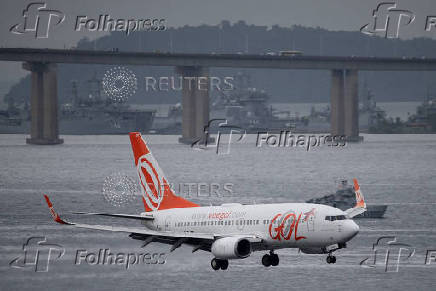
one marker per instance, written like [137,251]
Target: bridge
[195,103]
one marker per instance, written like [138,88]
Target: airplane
[232,230]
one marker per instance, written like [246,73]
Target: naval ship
[345,198]
[248,107]
[91,113]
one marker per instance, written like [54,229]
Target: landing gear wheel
[331,259]
[274,260]
[215,264]
[219,264]
[224,264]
[266,260]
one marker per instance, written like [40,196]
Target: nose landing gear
[270,259]
[217,264]
[331,259]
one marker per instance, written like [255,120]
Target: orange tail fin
[360,201]
[156,192]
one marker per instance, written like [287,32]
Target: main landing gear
[219,264]
[270,259]
[331,259]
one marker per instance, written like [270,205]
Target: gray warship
[89,113]
[248,107]
[345,198]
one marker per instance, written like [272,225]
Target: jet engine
[231,248]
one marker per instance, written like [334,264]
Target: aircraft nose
[353,229]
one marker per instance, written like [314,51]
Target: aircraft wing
[130,216]
[201,241]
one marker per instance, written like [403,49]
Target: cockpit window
[335,217]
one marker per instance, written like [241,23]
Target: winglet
[360,206]
[360,201]
[53,213]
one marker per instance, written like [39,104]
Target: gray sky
[330,14]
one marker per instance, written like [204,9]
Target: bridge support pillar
[337,103]
[195,103]
[351,105]
[344,112]
[43,104]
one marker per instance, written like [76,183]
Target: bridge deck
[216,60]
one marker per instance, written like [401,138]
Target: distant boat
[344,198]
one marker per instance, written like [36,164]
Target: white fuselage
[282,225]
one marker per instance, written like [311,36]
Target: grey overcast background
[347,15]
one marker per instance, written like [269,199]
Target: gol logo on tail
[151,183]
